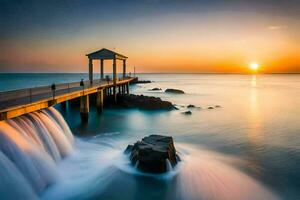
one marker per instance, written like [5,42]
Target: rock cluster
[153,153]
[142,102]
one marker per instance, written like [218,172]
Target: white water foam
[30,148]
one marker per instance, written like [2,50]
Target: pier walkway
[18,102]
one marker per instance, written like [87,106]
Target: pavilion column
[124,68]
[101,69]
[115,78]
[91,70]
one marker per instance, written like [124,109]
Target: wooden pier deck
[19,102]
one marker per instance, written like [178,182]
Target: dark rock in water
[174,91]
[141,102]
[210,107]
[187,112]
[155,89]
[128,149]
[191,106]
[217,106]
[152,152]
[141,82]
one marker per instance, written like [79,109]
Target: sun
[254,66]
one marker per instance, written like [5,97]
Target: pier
[18,102]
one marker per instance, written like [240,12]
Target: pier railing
[29,95]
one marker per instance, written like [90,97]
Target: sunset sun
[254,66]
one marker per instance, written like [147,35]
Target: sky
[158,36]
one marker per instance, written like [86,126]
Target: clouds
[276,27]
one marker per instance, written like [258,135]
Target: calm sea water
[249,148]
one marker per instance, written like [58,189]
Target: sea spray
[99,169]
[30,147]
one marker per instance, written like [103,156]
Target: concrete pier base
[122,89]
[114,94]
[84,108]
[99,101]
[127,88]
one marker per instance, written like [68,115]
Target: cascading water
[30,147]
[31,167]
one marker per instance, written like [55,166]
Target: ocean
[247,147]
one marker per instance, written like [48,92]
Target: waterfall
[30,148]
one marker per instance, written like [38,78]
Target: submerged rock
[141,102]
[155,89]
[187,112]
[217,106]
[153,153]
[174,91]
[210,107]
[191,106]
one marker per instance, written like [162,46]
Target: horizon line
[241,73]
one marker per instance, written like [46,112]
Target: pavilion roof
[106,54]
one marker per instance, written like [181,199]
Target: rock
[128,149]
[152,152]
[187,112]
[217,106]
[141,82]
[210,107]
[155,89]
[141,102]
[174,91]
[191,106]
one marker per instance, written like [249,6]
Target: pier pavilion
[102,55]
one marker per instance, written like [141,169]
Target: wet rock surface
[174,91]
[155,89]
[187,112]
[153,154]
[141,102]
[191,106]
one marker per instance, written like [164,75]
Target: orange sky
[209,42]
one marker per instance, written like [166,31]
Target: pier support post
[84,108]
[115,94]
[114,79]
[91,70]
[127,88]
[99,101]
